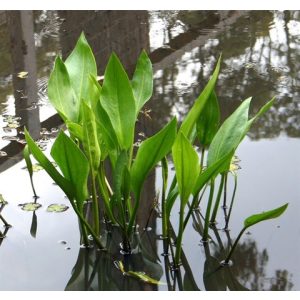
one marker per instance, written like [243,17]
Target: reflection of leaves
[189,285]
[33,227]
[31,206]
[213,276]
[139,275]
[57,208]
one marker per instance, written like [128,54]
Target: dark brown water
[261,54]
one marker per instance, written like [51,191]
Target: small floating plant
[100,122]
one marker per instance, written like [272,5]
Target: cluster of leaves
[101,124]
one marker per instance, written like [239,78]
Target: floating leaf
[57,208]
[30,206]
[22,74]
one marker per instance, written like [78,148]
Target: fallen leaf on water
[22,74]
[57,208]
[31,206]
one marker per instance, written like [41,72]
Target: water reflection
[260,58]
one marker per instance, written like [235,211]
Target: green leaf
[186,162]
[263,110]
[194,113]
[75,130]
[142,81]
[63,183]
[106,134]
[61,94]
[73,164]
[94,89]
[150,152]
[230,134]
[271,214]
[118,101]
[211,171]
[208,122]
[80,64]
[90,140]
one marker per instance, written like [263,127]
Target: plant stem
[95,205]
[207,214]
[202,158]
[180,234]
[215,211]
[33,189]
[163,197]
[194,201]
[225,191]
[231,203]
[234,245]
[105,196]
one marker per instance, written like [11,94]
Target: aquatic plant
[100,122]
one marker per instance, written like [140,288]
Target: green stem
[95,205]
[133,215]
[179,237]
[163,197]
[202,158]
[208,209]
[33,189]
[105,196]
[192,206]
[216,207]
[225,190]
[201,196]
[234,245]
[231,203]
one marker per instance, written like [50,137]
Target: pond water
[261,55]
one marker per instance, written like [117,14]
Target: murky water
[261,54]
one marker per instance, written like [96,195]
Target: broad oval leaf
[142,81]
[208,122]
[118,101]
[271,214]
[194,113]
[230,134]
[73,164]
[150,152]
[61,93]
[80,64]
[186,162]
